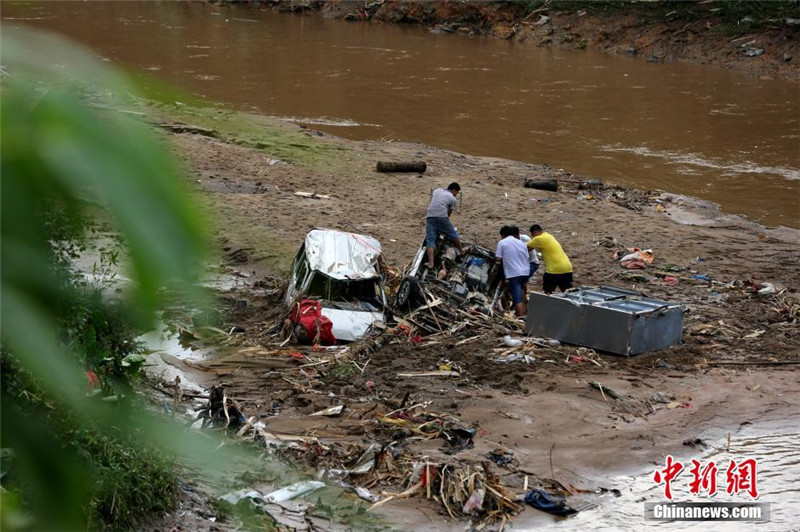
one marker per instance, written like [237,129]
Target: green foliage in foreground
[115,477]
[132,479]
[73,459]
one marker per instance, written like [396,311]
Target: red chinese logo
[667,475]
[741,477]
[703,478]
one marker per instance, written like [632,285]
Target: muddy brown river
[683,128]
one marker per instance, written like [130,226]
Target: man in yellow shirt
[558,268]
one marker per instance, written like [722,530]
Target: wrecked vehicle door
[342,271]
[470,279]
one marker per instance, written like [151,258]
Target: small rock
[662,397]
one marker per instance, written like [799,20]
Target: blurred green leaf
[61,160]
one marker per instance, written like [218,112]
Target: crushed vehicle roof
[341,255]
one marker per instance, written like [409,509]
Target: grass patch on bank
[280,140]
[161,102]
[152,88]
[132,481]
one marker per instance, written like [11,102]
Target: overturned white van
[342,271]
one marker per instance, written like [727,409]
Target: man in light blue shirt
[438,219]
[513,253]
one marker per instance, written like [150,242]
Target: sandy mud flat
[736,366]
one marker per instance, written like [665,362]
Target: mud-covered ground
[759,40]
[730,370]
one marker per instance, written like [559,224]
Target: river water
[775,450]
[683,128]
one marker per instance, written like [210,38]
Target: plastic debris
[364,464]
[695,442]
[552,504]
[458,439]
[502,457]
[768,288]
[515,357]
[293,490]
[670,281]
[475,501]
[235,496]
[330,412]
[512,342]
[367,495]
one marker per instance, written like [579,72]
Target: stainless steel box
[609,319]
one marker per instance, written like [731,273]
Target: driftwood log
[542,184]
[408,166]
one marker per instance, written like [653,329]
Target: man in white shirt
[438,219]
[513,254]
[534,255]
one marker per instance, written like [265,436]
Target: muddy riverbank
[730,371]
[758,42]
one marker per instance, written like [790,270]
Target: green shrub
[132,480]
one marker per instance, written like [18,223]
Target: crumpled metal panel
[608,319]
[350,325]
[342,255]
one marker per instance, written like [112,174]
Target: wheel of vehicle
[408,294]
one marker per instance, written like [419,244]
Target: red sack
[318,329]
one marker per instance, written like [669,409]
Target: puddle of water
[162,340]
[165,346]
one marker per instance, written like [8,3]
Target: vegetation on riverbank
[78,452]
[736,16]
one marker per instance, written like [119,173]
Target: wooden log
[604,389]
[542,184]
[195,130]
[406,166]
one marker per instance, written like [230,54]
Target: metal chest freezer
[609,319]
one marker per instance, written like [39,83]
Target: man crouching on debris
[513,253]
[557,267]
[438,219]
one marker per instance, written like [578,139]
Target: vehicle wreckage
[336,290]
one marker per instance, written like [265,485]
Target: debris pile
[221,411]
[445,312]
